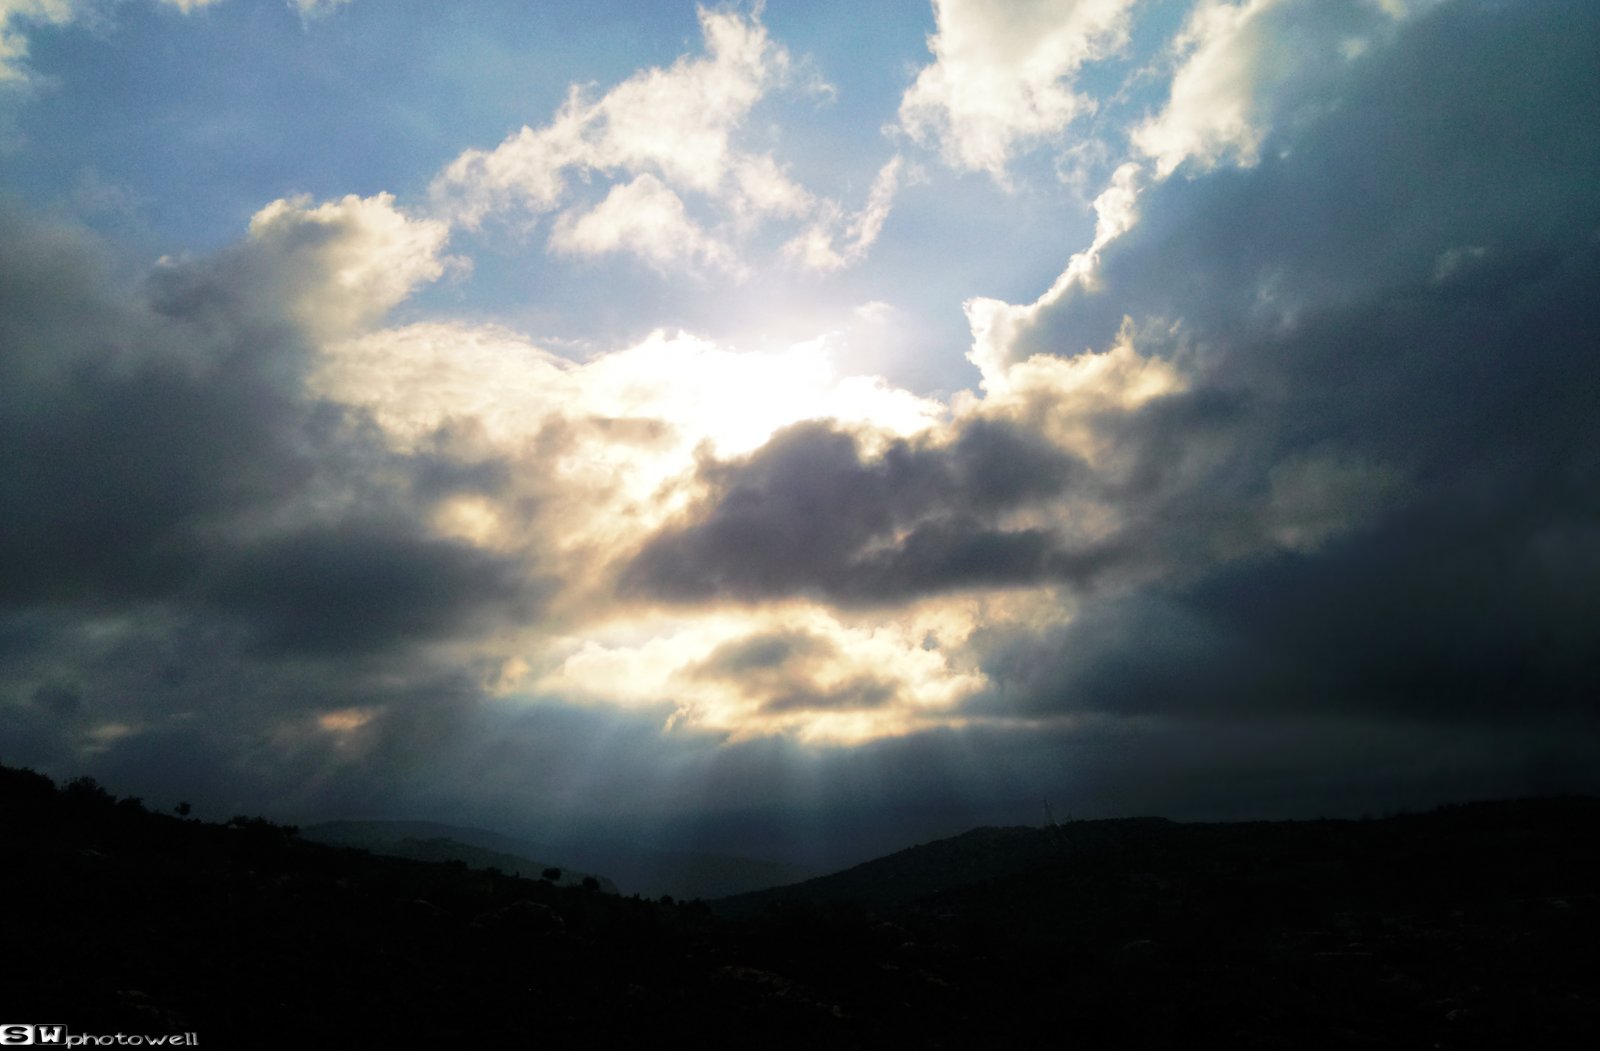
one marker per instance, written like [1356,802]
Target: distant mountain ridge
[1468,927]
[1032,870]
[627,869]
[973,857]
[430,841]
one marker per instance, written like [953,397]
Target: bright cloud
[307,8]
[1212,112]
[606,449]
[799,669]
[666,132]
[1243,65]
[647,219]
[835,241]
[350,260]
[777,439]
[15,16]
[675,123]
[1001,76]
[999,328]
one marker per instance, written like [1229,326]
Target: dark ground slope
[1471,927]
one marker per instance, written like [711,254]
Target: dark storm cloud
[196,556]
[756,654]
[120,431]
[860,692]
[809,514]
[1437,614]
[359,584]
[167,453]
[1407,283]
[1355,565]
[1378,494]
[783,671]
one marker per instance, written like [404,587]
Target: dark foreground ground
[1468,927]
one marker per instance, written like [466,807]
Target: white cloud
[1213,109]
[1068,399]
[765,189]
[526,171]
[13,38]
[802,669]
[307,8]
[646,219]
[609,447]
[15,15]
[665,139]
[1242,62]
[834,241]
[997,326]
[675,123]
[1001,75]
[349,261]
[678,121]
[421,377]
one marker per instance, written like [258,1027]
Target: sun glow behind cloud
[797,667]
[607,452]
[751,393]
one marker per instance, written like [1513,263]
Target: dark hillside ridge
[631,869]
[972,857]
[1468,927]
[428,841]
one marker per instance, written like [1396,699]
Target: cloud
[348,261]
[1243,67]
[996,325]
[1214,91]
[1252,438]
[607,446]
[198,552]
[647,219]
[918,518]
[1001,76]
[834,242]
[15,17]
[308,8]
[1288,474]
[764,189]
[667,142]
[1370,487]
[675,124]
[798,669]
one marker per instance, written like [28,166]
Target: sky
[800,429]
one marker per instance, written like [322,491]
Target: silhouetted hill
[683,874]
[429,841]
[628,869]
[970,858]
[1469,927]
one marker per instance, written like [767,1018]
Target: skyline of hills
[1461,928]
